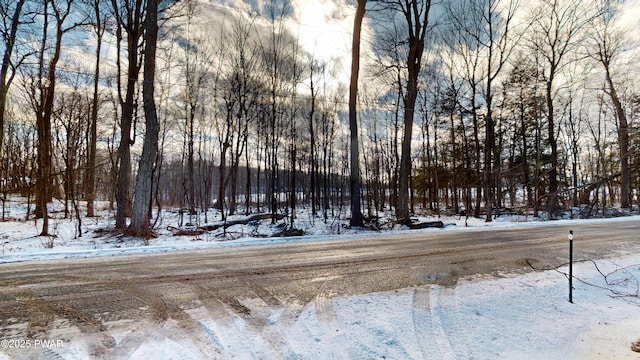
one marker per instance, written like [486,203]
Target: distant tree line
[464,106]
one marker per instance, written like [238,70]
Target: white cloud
[324,28]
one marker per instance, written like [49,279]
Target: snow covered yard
[517,316]
[512,316]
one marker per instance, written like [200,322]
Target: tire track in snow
[219,325]
[271,320]
[172,323]
[159,310]
[329,324]
[423,324]
[43,312]
[126,346]
[39,353]
[233,327]
[48,354]
[441,339]
[264,294]
[277,326]
[452,336]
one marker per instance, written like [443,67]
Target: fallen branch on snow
[223,224]
[426,225]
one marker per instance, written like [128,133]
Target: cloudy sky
[323,27]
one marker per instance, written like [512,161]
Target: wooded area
[464,107]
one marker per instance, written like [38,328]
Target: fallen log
[243,221]
[426,225]
[185,232]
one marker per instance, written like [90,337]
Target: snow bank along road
[97,297]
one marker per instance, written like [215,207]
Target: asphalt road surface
[38,298]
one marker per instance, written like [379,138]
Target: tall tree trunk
[476,143]
[44,128]
[273,180]
[525,153]
[93,133]
[413,61]
[239,148]
[292,181]
[552,197]
[190,176]
[489,146]
[416,14]
[140,219]
[247,208]
[133,28]
[312,146]
[436,179]
[354,179]
[222,176]
[4,67]
[623,142]
[43,118]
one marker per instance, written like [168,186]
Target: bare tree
[227,130]
[327,139]
[59,12]
[486,27]
[129,14]
[599,158]
[465,47]
[69,150]
[277,55]
[522,103]
[196,68]
[574,127]
[607,46]
[7,68]
[390,71]
[354,179]
[140,219]
[245,87]
[556,30]
[98,25]
[18,159]
[416,15]
[451,107]
[314,67]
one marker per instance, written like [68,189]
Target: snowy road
[97,298]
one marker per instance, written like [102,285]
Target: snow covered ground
[514,316]
[19,240]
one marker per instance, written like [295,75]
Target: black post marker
[571,266]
